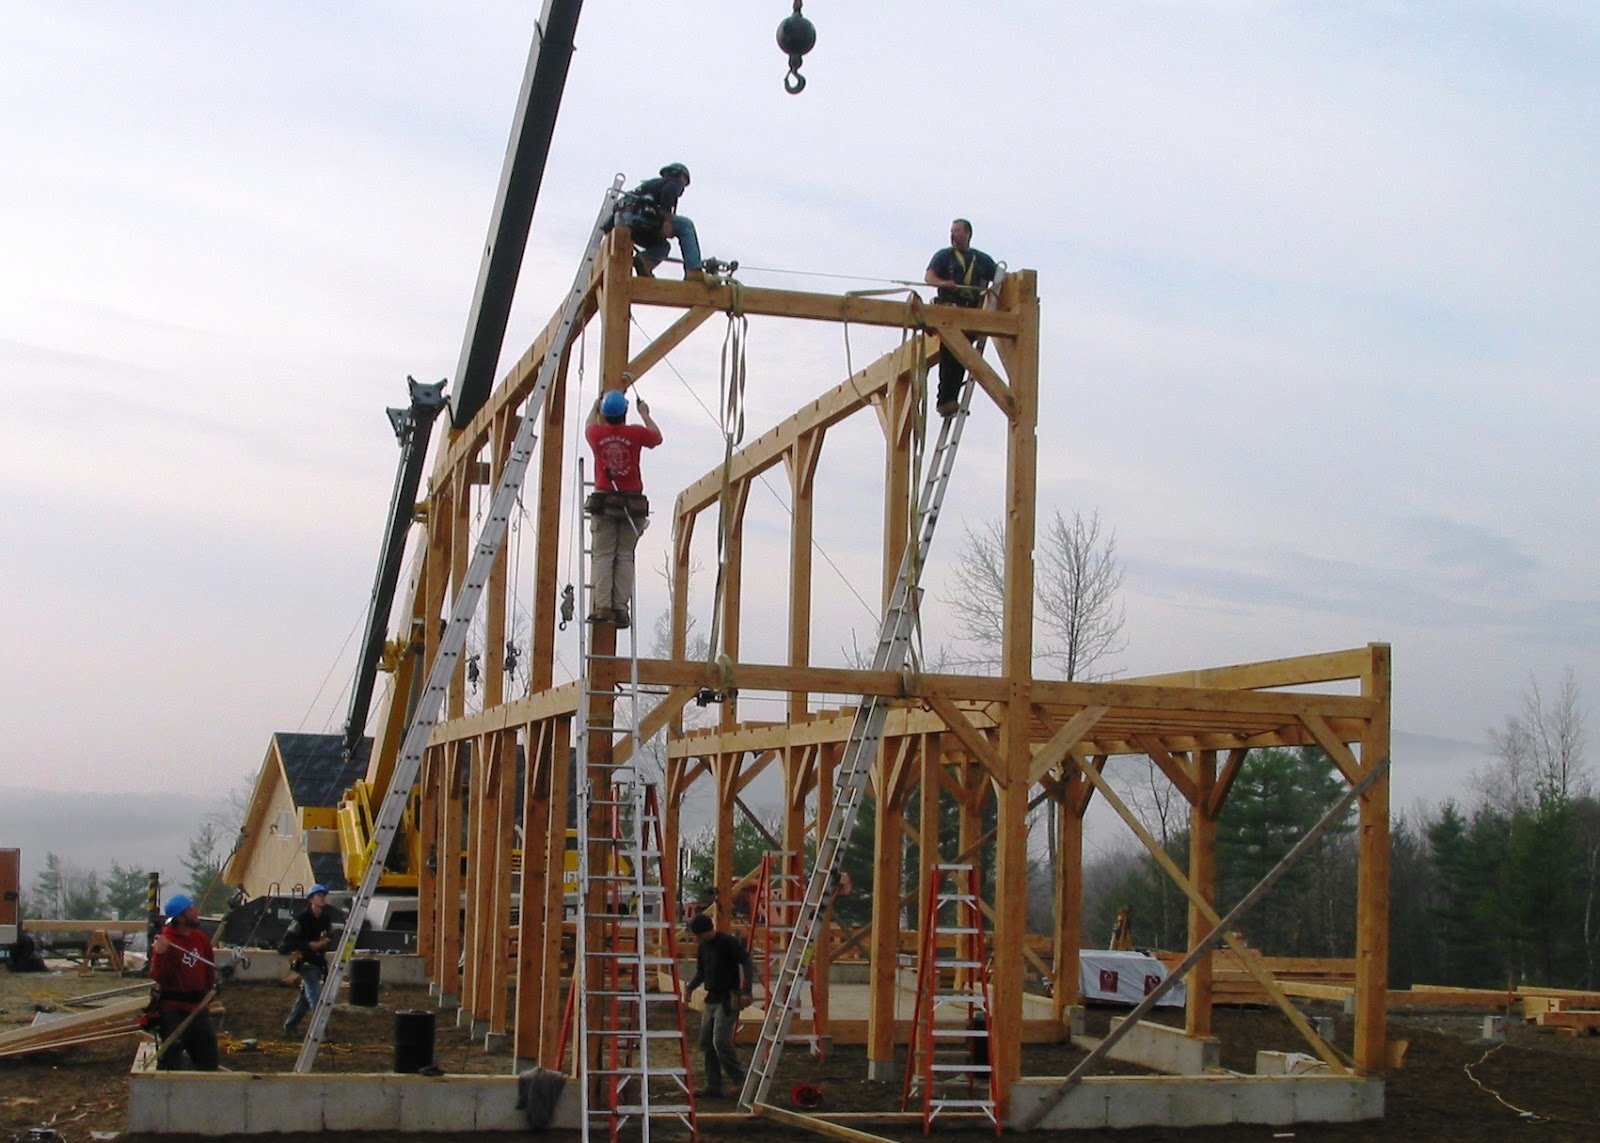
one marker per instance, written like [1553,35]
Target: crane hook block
[796,36]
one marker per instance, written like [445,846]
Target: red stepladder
[948,1067]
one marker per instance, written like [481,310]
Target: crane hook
[796,36]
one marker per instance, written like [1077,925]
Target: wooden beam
[853,308]
[1055,751]
[988,380]
[832,407]
[969,736]
[669,340]
[1170,766]
[1338,753]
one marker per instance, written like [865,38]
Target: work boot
[708,1093]
[694,275]
[642,268]
[620,617]
[599,615]
[949,408]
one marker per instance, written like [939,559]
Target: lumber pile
[119,1017]
[1313,978]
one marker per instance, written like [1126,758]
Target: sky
[1318,289]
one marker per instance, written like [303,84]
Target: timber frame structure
[1015,740]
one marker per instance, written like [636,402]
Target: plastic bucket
[413,1040]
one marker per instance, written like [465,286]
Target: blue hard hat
[614,404]
[178,904]
[314,890]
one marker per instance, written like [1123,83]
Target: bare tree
[1077,594]
[1077,608]
[1539,753]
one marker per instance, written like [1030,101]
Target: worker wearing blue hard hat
[618,508]
[306,945]
[183,967]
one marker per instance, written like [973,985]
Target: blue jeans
[311,977]
[688,245]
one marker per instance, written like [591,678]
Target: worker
[306,944]
[183,968]
[963,275]
[618,509]
[723,965]
[650,212]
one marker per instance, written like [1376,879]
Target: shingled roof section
[316,775]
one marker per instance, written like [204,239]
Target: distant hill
[89,831]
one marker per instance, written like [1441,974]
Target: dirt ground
[1451,1087]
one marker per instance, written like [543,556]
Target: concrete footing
[1164,1049]
[1196,1101]
[241,1103]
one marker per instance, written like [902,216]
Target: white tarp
[1121,977]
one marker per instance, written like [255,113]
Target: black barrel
[413,1040]
[364,981]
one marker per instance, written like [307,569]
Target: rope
[731,383]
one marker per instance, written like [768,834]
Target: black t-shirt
[723,965]
[308,927]
[974,268]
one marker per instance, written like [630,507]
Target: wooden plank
[72,926]
[815,1123]
[1298,670]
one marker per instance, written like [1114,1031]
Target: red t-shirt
[185,969]
[616,455]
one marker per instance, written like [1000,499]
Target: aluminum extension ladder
[631,1051]
[948,1066]
[866,733]
[408,765]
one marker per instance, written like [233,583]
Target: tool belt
[618,505]
[642,215]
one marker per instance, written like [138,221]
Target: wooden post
[1019,293]
[450,876]
[1203,873]
[1372,877]
[1069,906]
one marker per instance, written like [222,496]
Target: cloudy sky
[1319,288]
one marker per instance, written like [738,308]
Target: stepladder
[774,906]
[948,1069]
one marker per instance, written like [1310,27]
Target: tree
[1279,795]
[125,892]
[202,864]
[1077,588]
[49,887]
[1078,609]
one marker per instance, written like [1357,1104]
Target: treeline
[63,891]
[1503,888]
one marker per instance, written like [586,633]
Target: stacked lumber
[116,1018]
[1316,978]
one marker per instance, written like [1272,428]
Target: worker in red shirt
[183,967]
[618,509]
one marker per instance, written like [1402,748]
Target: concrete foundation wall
[266,964]
[1197,1101]
[239,1103]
